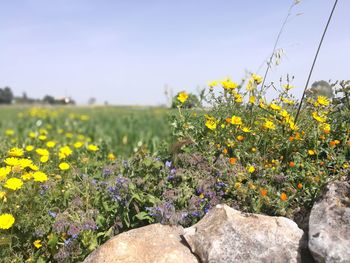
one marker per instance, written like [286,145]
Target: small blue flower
[168,164]
[52,214]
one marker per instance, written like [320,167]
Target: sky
[127,52]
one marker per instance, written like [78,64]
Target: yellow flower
[43,131]
[27,176]
[64,166]
[285,100]
[39,177]
[236,120]
[227,84]
[284,114]
[319,117]
[42,152]
[212,84]
[275,107]
[262,104]
[13,183]
[92,147]
[15,152]
[111,157]
[78,145]
[311,152]
[6,221]
[42,137]
[252,99]
[9,132]
[238,98]
[64,152]
[211,123]
[33,167]
[24,163]
[29,148]
[258,79]
[322,100]
[287,87]
[269,125]
[12,161]
[2,195]
[84,117]
[238,185]
[251,186]
[32,135]
[50,144]
[37,243]
[246,129]
[182,97]
[16,169]
[4,171]
[292,125]
[44,159]
[251,169]
[69,135]
[251,85]
[326,128]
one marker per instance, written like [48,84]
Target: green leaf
[100,220]
[53,240]
[144,216]
[5,240]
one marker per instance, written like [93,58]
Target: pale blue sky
[126,51]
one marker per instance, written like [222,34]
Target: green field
[122,128]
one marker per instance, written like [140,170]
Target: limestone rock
[329,224]
[150,244]
[226,235]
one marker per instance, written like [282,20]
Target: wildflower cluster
[274,165]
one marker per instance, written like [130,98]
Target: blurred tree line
[7,97]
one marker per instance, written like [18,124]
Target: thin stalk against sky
[315,58]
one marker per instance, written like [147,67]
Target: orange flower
[228,120]
[233,160]
[224,151]
[263,192]
[348,143]
[300,186]
[284,197]
[240,138]
[321,163]
[291,138]
[332,144]
[291,164]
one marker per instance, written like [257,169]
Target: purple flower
[106,172]
[168,164]
[89,224]
[74,231]
[52,214]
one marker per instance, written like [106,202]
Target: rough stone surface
[226,235]
[329,224]
[150,244]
